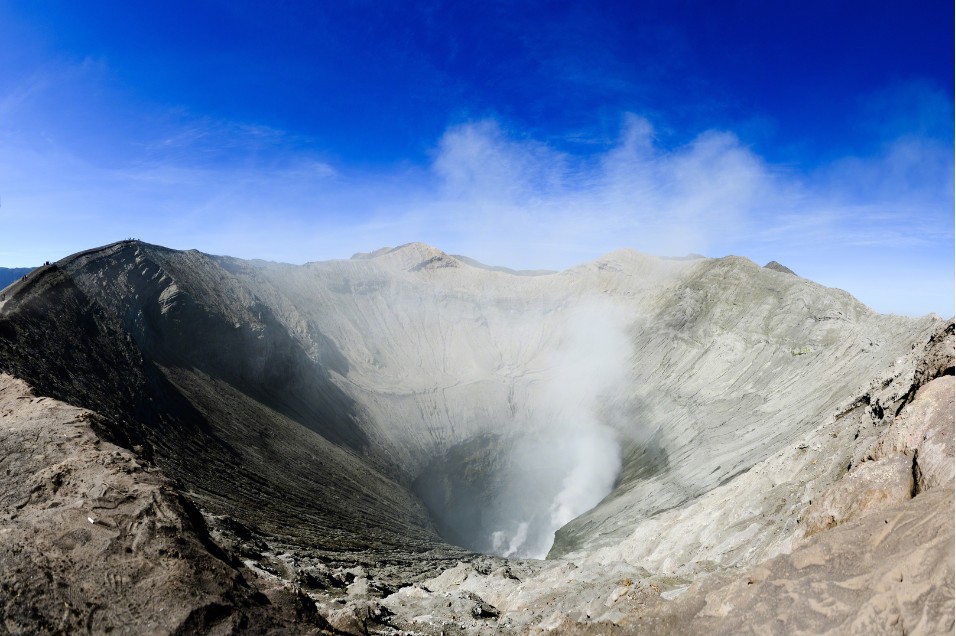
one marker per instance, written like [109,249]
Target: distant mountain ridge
[10,274]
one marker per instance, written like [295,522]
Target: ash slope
[729,362]
[302,403]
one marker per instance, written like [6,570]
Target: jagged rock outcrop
[777,267]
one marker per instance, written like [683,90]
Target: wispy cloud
[489,191]
[711,195]
[560,209]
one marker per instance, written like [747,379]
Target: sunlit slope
[724,361]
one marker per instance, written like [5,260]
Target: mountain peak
[777,267]
[413,256]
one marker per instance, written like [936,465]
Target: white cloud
[488,192]
[519,200]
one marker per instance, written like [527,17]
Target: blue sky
[532,134]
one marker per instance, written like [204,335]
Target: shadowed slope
[199,375]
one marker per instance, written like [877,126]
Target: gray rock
[777,267]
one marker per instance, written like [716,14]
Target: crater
[507,495]
[374,420]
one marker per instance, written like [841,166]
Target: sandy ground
[92,540]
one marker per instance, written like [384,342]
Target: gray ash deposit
[359,445]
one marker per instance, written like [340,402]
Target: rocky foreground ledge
[94,540]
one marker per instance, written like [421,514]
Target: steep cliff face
[647,417]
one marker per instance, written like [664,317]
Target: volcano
[410,441]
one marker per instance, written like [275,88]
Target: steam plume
[575,461]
